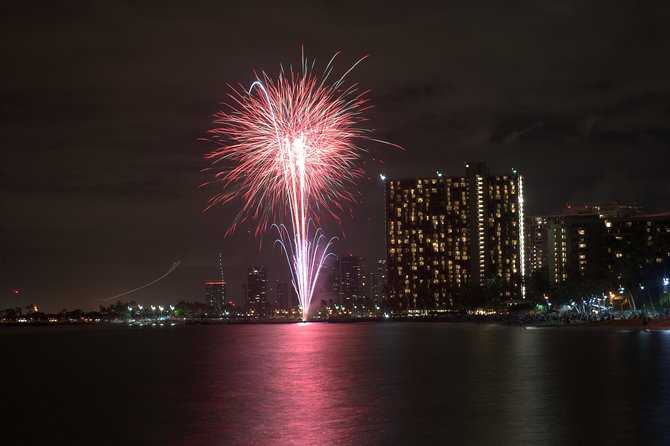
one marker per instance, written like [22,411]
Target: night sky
[103,105]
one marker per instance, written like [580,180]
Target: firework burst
[287,148]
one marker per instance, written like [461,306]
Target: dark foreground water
[350,384]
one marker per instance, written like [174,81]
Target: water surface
[335,384]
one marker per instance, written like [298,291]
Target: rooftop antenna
[221,265]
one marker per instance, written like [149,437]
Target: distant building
[376,283]
[614,209]
[352,284]
[537,244]
[445,233]
[556,249]
[255,290]
[215,295]
[583,236]
[593,240]
[284,296]
[565,246]
[332,279]
[638,240]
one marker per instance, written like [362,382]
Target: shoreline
[660,324]
[628,324]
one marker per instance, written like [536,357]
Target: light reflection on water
[397,383]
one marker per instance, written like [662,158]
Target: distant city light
[382,177]
[439,174]
[666,281]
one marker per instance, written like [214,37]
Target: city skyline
[104,109]
[598,217]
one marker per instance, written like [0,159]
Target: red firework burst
[279,127]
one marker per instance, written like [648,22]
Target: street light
[665,281]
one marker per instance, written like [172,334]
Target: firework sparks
[291,144]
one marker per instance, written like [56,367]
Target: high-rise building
[332,279]
[557,247]
[215,295]
[284,296]
[376,283]
[566,246]
[585,240]
[537,245]
[444,233]
[638,241]
[256,289]
[583,236]
[352,285]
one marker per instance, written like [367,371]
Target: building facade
[352,286]
[284,296]
[376,283]
[215,295]
[446,233]
[256,289]
[597,241]
[565,246]
[637,243]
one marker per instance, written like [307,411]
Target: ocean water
[334,384]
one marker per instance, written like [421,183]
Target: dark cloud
[104,102]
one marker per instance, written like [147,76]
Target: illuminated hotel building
[642,239]
[537,250]
[566,246]
[588,240]
[444,233]
[557,247]
[583,237]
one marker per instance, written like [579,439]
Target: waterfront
[365,383]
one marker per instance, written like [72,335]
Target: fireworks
[288,150]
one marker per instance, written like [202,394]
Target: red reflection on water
[283,384]
[309,390]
